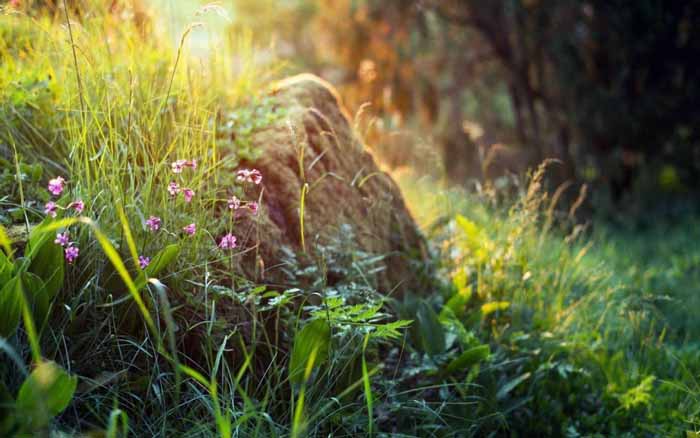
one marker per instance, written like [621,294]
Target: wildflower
[173,188]
[228,241]
[178,165]
[56,185]
[190,229]
[255,176]
[234,203]
[242,174]
[144,261]
[77,205]
[250,175]
[71,253]
[153,223]
[50,208]
[188,193]
[253,206]
[62,239]
[192,164]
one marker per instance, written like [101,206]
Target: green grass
[609,312]
[536,325]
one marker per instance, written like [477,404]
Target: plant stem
[75,61]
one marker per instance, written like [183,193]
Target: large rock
[348,195]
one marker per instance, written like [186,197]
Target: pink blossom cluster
[154,223]
[56,186]
[249,175]
[70,250]
[246,175]
[178,165]
[174,189]
[228,241]
[190,229]
[234,204]
[144,262]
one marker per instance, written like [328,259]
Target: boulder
[315,150]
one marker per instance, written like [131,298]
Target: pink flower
[192,164]
[178,165]
[56,185]
[50,208]
[144,261]
[228,241]
[71,253]
[173,188]
[242,174]
[253,206]
[188,194]
[62,239]
[78,206]
[190,229]
[256,176]
[153,223]
[250,175]
[234,203]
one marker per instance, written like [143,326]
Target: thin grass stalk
[75,61]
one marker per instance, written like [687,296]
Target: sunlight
[361,218]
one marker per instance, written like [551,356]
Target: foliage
[32,280]
[606,88]
[536,326]
[579,333]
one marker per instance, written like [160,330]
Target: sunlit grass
[613,298]
[529,314]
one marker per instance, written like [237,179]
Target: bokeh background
[476,90]
[559,303]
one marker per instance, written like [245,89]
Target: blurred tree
[606,82]
[607,87]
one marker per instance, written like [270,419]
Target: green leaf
[458,302]
[455,330]
[639,395]
[37,295]
[472,230]
[495,306]
[45,393]
[510,385]
[118,424]
[10,307]
[315,335]
[430,330]
[6,268]
[6,399]
[367,387]
[47,262]
[468,359]
[38,236]
[390,330]
[131,244]
[162,260]
[5,242]
[37,171]
[7,404]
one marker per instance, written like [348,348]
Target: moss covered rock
[314,154]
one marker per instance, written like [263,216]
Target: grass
[536,325]
[607,305]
